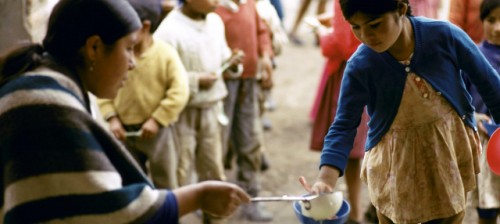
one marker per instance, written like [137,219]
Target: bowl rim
[298,211]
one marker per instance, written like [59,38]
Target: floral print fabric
[425,164]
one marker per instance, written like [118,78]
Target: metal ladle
[305,199]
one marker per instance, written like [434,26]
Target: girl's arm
[480,72]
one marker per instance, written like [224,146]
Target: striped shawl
[58,165]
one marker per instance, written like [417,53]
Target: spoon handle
[281,198]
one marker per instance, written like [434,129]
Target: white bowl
[323,206]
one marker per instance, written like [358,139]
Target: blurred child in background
[486,197]
[465,14]
[198,36]
[245,31]
[150,101]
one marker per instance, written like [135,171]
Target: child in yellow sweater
[150,101]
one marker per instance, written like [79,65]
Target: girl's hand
[317,188]
[326,181]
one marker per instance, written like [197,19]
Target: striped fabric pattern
[58,165]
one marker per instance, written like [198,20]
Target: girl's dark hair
[486,7]
[71,23]
[371,7]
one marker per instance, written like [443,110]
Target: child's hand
[206,81]
[237,57]
[267,73]
[116,127]
[150,128]
[325,19]
[480,118]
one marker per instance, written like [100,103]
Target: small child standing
[150,101]
[198,36]
[247,32]
[422,148]
[486,197]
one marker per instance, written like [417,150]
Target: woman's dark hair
[486,7]
[371,7]
[71,23]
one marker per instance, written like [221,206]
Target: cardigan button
[463,117]
[438,93]
[426,95]
[407,69]
[417,79]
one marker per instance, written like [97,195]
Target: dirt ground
[287,143]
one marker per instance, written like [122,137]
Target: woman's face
[378,33]
[491,25]
[111,66]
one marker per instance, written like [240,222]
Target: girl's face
[491,25]
[111,66]
[378,33]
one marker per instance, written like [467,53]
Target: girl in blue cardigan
[422,147]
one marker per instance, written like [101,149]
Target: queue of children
[193,93]
[198,36]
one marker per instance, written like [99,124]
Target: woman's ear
[92,45]
[402,8]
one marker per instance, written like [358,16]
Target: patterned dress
[425,164]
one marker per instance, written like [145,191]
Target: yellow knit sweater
[157,88]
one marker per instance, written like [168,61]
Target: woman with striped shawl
[57,164]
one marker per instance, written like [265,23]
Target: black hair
[71,23]
[371,7]
[148,10]
[486,7]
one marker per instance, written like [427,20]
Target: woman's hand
[217,198]
[221,199]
